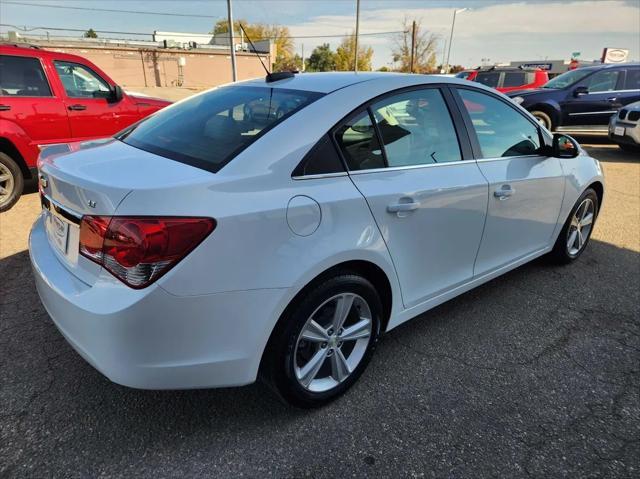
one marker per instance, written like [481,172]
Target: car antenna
[271,77]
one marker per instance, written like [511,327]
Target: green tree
[90,34]
[289,64]
[425,49]
[322,59]
[345,55]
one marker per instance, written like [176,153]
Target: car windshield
[566,79]
[209,130]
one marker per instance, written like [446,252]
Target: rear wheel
[544,119]
[11,182]
[321,347]
[576,232]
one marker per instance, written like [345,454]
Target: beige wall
[132,67]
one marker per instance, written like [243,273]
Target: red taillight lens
[138,251]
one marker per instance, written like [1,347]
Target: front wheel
[323,344]
[576,232]
[543,119]
[11,182]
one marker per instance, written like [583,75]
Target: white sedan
[276,229]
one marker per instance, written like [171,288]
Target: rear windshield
[208,130]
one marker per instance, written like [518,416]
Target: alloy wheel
[580,227]
[332,342]
[7,184]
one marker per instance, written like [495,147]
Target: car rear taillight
[138,250]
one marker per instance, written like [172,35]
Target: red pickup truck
[48,98]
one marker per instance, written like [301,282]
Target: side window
[490,79]
[80,82]
[359,144]
[322,159]
[501,130]
[416,128]
[605,80]
[515,79]
[22,76]
[632,81]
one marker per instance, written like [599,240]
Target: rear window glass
[515,79]
[489,79]
[208,130]
[22,76]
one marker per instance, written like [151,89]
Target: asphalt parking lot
[533,374]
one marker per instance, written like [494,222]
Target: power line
[138,12]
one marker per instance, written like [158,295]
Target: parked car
[624,128]
[505,79]
[582,101]
[48,97]
[464,74]
[233,249]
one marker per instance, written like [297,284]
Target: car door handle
[5,108]
[77,107]
[403,207]
[612,99]
[504,193]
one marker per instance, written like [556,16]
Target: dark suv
[582,101]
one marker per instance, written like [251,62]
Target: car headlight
[517,99]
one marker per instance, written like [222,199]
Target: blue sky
[497,30]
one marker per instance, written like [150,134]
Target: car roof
[327,82]
[26,50]
[603,66]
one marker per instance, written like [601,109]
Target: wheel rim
[333,342]
[580,227]
[543,122]
[6,184]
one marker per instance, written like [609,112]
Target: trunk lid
[92,178]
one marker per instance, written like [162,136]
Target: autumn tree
[345,55]
[322,59]
[279,34]
[425,48]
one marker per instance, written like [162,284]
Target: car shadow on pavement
[517,365]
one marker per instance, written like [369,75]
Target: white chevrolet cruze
[276,228]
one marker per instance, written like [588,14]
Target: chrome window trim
[320,175]
[515,157]
[409,167]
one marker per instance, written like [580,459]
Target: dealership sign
[614,55]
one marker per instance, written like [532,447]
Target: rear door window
[512,79]
[632,81]
[359,143]
[208,130]
[22,76]
[490,79]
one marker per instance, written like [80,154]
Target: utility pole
[444,52]
[302,57]
[355,66]
[453,24]
[413,46]
[234,72]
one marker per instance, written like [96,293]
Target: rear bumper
[151,339]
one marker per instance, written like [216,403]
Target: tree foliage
[425,49]
[279,34]
[322,59]
[90,34]
[345,55]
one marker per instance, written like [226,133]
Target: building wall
[140,67]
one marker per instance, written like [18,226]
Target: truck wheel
[11,182]
[544,119]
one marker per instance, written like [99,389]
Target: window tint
[605,80]
[322,159]
[208,130]
[416,128]
[22,76]
[515,79]
[501,130]
[632,81]
[80,82]
[359,144]
[488,78]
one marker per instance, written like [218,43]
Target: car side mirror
[579,91]
[564,146]
[116,94]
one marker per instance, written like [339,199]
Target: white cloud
[551,30]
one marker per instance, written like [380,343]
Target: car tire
[573,239]
[11,182]
[297,345]
[543,118]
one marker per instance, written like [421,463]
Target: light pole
[234,72]
[355,66]
[453,24]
